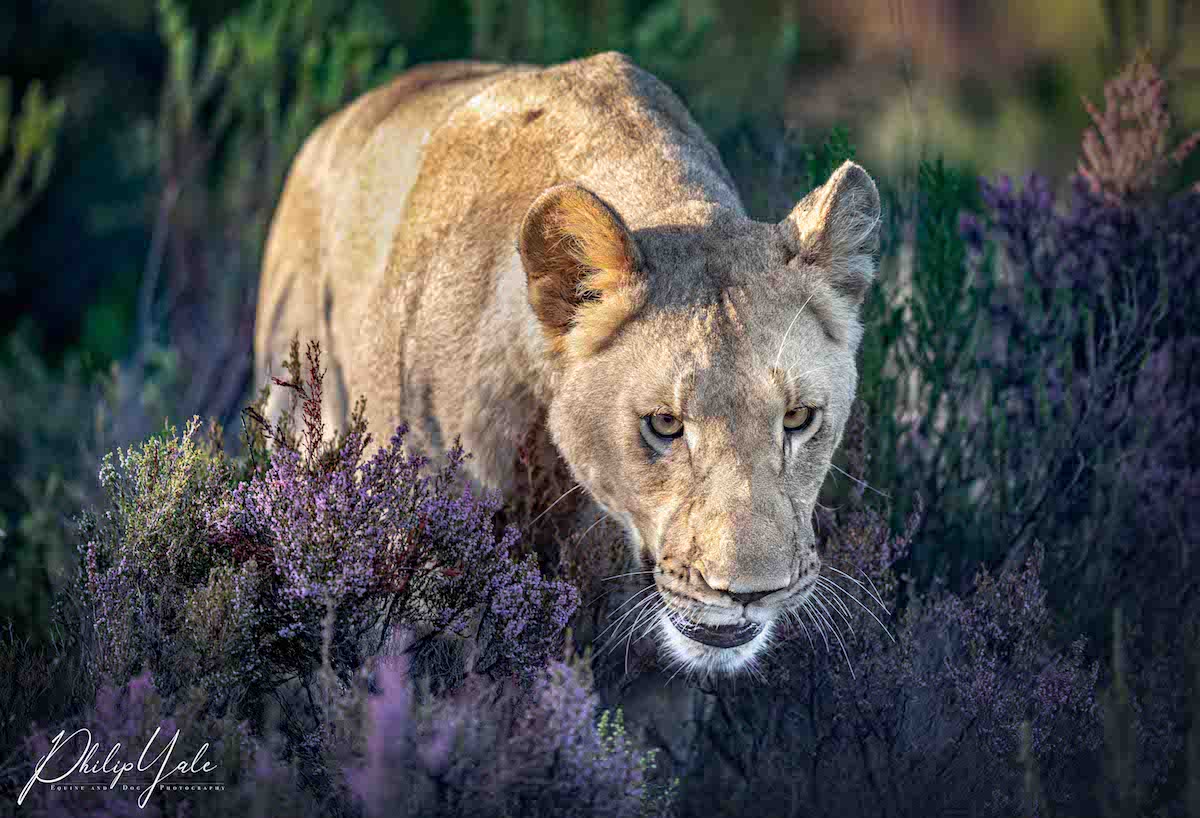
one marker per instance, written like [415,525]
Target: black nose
[753,596]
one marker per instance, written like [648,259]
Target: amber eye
[665,425]
[798,419]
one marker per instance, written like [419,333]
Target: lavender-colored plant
[189,569]
[491,751]
[229,576]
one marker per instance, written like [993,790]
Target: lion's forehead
[732,356]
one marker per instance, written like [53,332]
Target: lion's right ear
[583,268]
[836,228]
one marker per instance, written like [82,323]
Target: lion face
[705,371]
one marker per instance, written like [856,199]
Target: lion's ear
[836,228]
[583,269]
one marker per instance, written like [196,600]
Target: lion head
[704,369]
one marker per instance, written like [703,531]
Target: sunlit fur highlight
[584,269]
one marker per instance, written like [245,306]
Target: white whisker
[858,602]
[837,606]
[613,615]
[629,640]
[599,520]
[636,612]
[682,665]
[789,329]
[793,378]
[795,615]
[868,576]
[835,593]
[630,574]
[837,634]
[862,483]
[552,505]
[873,595]
[807,608]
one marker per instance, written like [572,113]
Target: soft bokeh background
[996,84]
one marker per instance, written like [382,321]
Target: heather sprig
[1009,672]
[536,751]
[145,553]
[1126,153]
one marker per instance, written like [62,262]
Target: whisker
[807,608]
[635,611]
[873,595]
[652,621]
[599,520]
[630,574]
[858,602]
[552,505]
[615,621]
[789,329]
[629,641]
[868,576]
[820,600]
[862,483]
[836,606]
[601,596]
[833,598]
[682,664]
[837,634]
[807,632]
[793,378]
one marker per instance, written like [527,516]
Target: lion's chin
[724,650]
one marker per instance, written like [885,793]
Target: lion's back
[394,243]
[349,179]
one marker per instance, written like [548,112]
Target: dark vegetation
[1016,502]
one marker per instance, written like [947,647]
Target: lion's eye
[665,425]
[798,419]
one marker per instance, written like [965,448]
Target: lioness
[475,245]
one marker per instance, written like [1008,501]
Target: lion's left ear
[836,228]
[583,269]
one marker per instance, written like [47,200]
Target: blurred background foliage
[1029,371]
[993,85]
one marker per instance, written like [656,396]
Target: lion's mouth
[716,636]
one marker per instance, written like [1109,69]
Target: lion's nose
[745,588]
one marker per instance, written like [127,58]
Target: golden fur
[480,246]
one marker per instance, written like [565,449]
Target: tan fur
[583,267]
[477,246]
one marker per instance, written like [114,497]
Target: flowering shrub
[1098,309]
[193,569]
[484,751]
[229,575]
